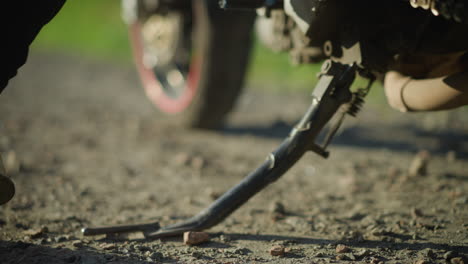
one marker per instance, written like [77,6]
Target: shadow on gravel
[24,253]
[277,130]
[363,244]
[405,138]
[395,138]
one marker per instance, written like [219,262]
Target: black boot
[7,187]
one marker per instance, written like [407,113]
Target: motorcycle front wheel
[193,64]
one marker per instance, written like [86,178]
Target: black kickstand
[331,92]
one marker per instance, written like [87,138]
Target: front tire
[219,43]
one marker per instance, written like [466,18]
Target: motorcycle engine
[374,31]
[280,33]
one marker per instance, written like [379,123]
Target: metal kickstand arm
[330,93]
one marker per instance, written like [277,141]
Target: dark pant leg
[20,22]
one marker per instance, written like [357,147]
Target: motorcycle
[201,52]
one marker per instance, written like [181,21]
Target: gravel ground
[85,147]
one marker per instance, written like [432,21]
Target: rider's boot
[7,188]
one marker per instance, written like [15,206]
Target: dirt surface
[85,147]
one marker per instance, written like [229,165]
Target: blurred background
[95,29]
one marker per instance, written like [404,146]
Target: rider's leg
[20,22]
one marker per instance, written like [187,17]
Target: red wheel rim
[153,88]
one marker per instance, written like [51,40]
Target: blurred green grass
[93,28]
[88,28]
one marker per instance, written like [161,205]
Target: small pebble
[107,246]
[449,255]
[363,253]
[225,238]
[12,164]
[60,239]
[156,256]
[342,249]
[277,207]
[341,257]
[197,163]
[214,194]
[348,257]
[430,254]
[416,213]
[36,233]
[377,232]
[77,244]
[277,250]
[451,156]
[457,260]
[142,248]
[181,159]
[419,164]
[421,261]
[195,238]
[393,172]
[318,255]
